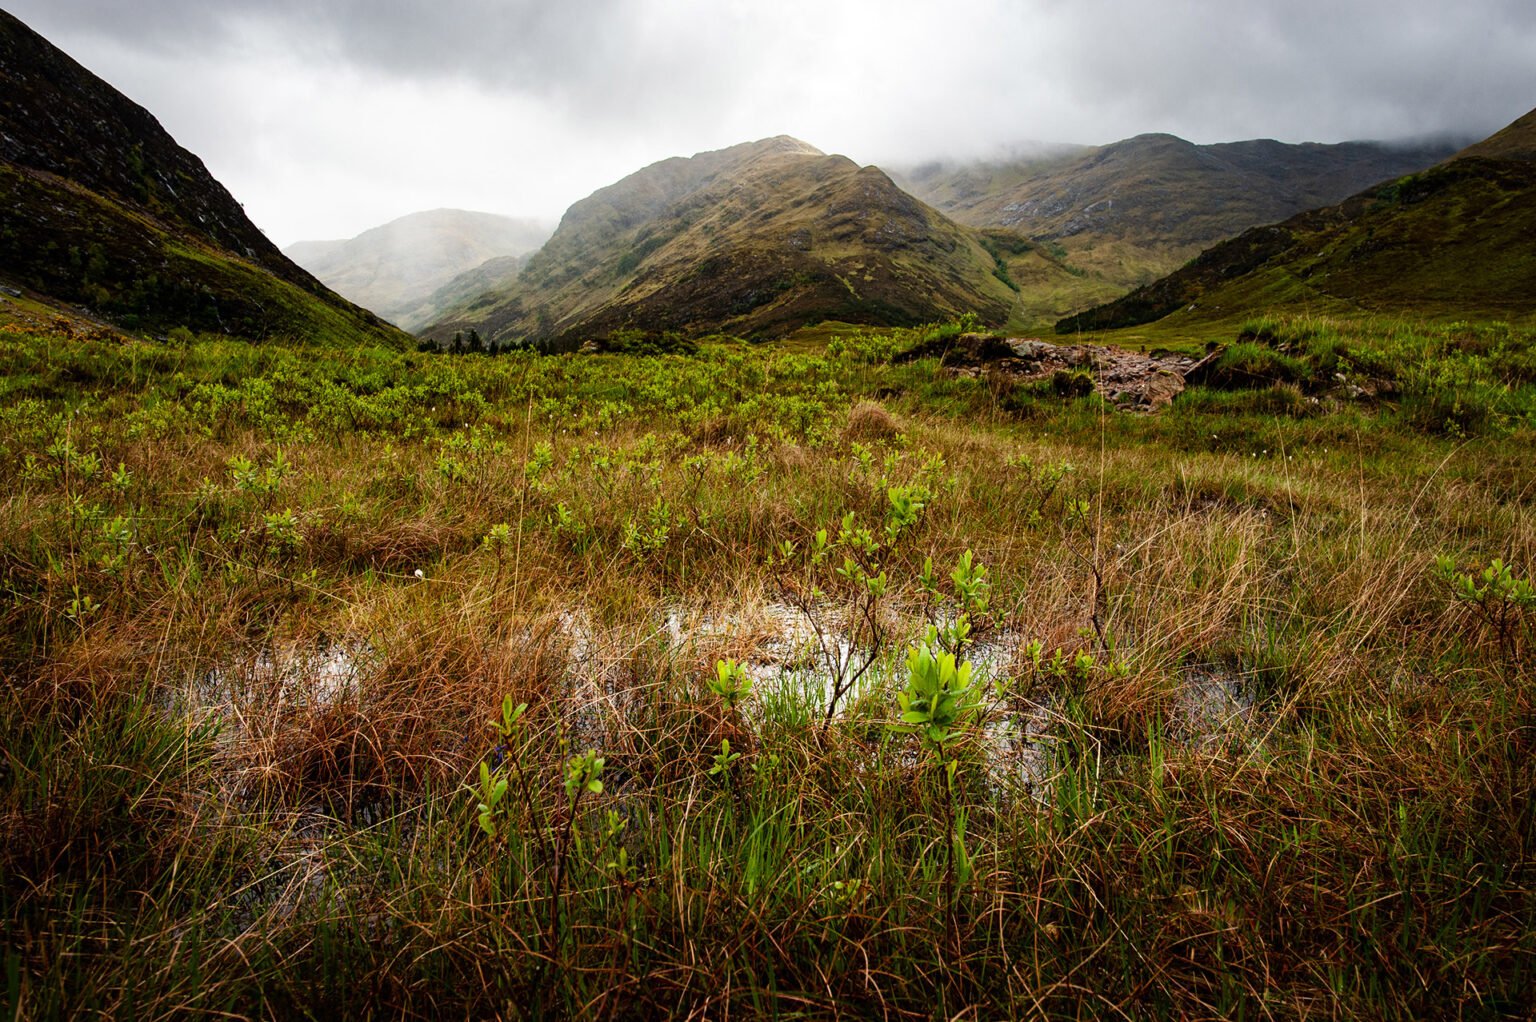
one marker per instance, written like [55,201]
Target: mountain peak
[758,238]
[780,144]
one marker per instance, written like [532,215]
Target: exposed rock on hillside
[1131,380]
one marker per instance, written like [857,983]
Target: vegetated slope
[100,207]
[757,239]
[494,276]
[1516,141]
[394,269]
[1128,212]
[1456,239]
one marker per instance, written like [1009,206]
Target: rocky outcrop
[1131,380]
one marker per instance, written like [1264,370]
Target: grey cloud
[1206,68]
[582,53]
[1308,68]
[555,97]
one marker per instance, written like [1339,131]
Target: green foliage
[583,775]
[940,698]
[906,506]
[282,532]
[724,760]
[1502,602]
[645,342]
[261,481]
[493,788]
[492,813]
[730,682]
[498,539]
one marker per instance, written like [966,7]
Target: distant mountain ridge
[1133,210]
[100,207]
[1457,239]
[394,269]
[758,238]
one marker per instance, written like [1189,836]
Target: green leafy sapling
[730,682]
[494,778]
[583,775]
[971,586]
[973,595]
[493,788]
[940,697]
[906,506]
[724,759]
[499,540]
[1503,602]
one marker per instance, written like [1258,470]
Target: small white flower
[420,574]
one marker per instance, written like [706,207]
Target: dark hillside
[100,207]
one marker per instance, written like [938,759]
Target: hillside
[100,208]
[1515,142]
[1454,240]
[757,239]
[492,276]
[1128,212]
[394,269]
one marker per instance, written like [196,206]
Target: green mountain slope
[757,239]
[1456,240]
[394,269]
[1129,212]
[99,207]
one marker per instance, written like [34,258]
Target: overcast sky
[327,117]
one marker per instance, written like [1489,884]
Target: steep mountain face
[394,269]
[760,238]
[100,207]
[1129,212]
[1456,239]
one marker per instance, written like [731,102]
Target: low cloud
[329,117]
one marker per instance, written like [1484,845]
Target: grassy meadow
[361,682]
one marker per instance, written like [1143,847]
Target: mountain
[1516,142]
[757,239]
[99,207]
[394,269]
[1457,239]
[1126,213]
[489,278]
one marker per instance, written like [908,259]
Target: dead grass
[870,421]
[1357,842]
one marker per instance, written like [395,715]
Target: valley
[1091,583]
